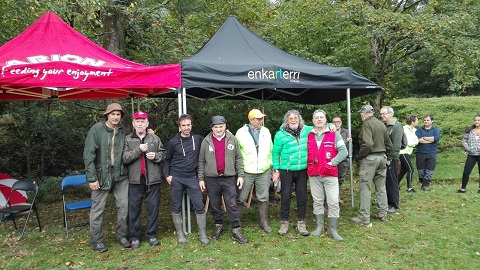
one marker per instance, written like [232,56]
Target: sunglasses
[293,118]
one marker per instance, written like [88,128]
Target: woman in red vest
[326,150]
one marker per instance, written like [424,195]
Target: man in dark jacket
[105,172]
[143,153]
[375,149]
[220,161]
[180,169]
[395,133]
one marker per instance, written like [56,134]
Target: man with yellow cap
[255,142]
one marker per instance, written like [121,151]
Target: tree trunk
[113,28]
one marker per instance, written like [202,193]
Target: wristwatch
[276,171]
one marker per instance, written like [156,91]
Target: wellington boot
[332,229]
[319,230]
[202,228]
[263,211]
[177,221]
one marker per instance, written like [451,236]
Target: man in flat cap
[219,162]
[106,172]
[256,145]
[144,154]
[375,146]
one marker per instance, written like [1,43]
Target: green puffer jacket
[288,153]
[96,155]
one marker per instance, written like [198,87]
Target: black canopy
[237,64]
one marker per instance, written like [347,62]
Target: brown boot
[263,210]
[238,236]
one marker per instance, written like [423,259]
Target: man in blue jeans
[180,168]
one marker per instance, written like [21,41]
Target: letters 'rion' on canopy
[237,64]
[50,60]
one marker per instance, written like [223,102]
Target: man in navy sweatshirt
[180,169]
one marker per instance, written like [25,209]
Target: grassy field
[433,230]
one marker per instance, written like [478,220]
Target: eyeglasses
[293,118]
[336,121]
[385,113]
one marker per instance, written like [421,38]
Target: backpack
[404,141]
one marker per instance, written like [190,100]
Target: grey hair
[319,111]
[388,109]
[300,119]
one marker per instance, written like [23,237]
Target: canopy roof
[237,64]
[50,60]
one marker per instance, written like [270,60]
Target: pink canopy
[51,60]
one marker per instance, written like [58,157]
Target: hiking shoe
[381,218]
[461,191]
[99,247]
[360,221]
[411,190]
[392,210]
[125,243]
[153,241]
[302,228]
[425,188]
[238,236]
[135,244]
[218,232]
[283,228]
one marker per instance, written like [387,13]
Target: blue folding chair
[73,181]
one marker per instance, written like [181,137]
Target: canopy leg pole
[186,212]
[350,146]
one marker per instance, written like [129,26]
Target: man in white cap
[256,145]
[144,154]
[106,172]
[219,163]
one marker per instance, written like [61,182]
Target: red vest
[318,157]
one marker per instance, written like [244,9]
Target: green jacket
[288,153]
[395,132]
[255,161]
[207,165]
[374,139]
[96,155]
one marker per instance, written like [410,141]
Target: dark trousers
[391,184]
[425,167]
[342,171]
[406,168]
[178,187]
[467,169]
[288,178]
[226,186]
[136,194]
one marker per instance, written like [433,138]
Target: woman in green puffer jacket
[289,156]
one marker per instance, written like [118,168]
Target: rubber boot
[332,229]
[319,230]
[263,210]
[202,228]
[177,221]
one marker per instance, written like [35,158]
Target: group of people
[379,155]
[226,166]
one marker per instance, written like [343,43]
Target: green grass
[433,230]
